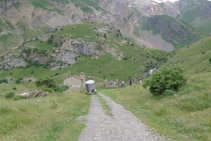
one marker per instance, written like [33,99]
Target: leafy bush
[19,81]
[48,90]
[3,81]
[210,60]
[165,80]
[20,97]
[50,85]
[46,83]
[9,95]
[62,88]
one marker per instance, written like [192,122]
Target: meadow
[185,115]
[49,118]
[182,116]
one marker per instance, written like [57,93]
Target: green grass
[49,118]
[8,41]
[105,106]
[42,46]
[136,59]
[194,58]
[7,88]
[185,116]
[80,30]
[104,67]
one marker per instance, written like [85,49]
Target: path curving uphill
[122,126]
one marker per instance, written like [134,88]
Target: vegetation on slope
[50,118]
[85,5]
[194,58]
[198,14]
[184,115]
[135,59]
[177,32]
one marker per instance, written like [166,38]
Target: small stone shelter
[75,81]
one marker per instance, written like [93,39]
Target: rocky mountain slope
[99,50]
[21,20]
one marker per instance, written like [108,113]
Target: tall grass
[49,118]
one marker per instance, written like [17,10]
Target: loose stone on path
[122,126]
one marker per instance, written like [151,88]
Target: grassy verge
[184,116]
[50,118]
[105,106]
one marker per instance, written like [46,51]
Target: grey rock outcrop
[84,48]
[39,94]
[12,61]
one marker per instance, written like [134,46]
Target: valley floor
[120,125]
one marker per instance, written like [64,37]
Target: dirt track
[122,126]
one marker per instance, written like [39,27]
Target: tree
[166,79]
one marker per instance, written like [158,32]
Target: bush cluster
[9,95]
[50,85]
[3,81]
[165,81]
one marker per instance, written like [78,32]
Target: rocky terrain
[21,20]
[62,47]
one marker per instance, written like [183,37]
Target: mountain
[21,20]
[99,50]
[197,13]
[172,30]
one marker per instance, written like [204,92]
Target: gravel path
[122,126]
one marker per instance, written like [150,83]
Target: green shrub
[3,81]
[210,60]
[49,84]
[165,80]
[48,90]
[19,81]
[62,88]
[20,97]
[46,83]
[9,95]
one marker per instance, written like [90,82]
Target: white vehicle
[90,87]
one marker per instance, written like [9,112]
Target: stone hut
[75,81]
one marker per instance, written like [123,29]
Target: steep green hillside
[198,14]
[194,58]
[173,30]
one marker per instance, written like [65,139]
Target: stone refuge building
[75,81]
